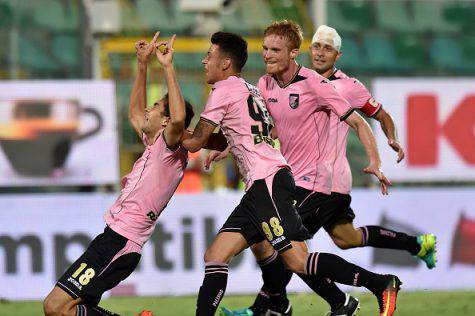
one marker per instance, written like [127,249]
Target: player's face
[277,54]
[154,117]
[323,57]
[213,63]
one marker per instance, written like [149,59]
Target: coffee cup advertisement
[58,133]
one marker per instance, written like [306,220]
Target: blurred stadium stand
[380,38]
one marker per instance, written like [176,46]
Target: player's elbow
[191,145]
[357,123]
[177,125]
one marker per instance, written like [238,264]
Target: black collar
[295,78]
[332,76]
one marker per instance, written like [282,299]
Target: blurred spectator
[193,179]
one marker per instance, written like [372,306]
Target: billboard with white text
[40,235]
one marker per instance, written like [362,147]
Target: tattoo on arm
[198,132]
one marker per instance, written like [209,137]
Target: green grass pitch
[409,303]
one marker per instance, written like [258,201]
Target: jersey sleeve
[216,107]
[328,97]
[360,98]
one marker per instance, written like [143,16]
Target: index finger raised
[171,41]
[155,37]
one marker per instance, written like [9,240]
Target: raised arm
[174,129]
[138,96]
[366,138]
[389,129]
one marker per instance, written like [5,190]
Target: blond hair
[287,29]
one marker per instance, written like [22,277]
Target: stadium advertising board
[58,133]
[436,123]
[40,235]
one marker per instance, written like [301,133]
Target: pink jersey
[359,98]
[146,191]
[301,112]
[239,109]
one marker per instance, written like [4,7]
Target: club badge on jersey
[293,100]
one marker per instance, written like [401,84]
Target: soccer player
[113,255]
[325,51]
[266,211]
[300,138]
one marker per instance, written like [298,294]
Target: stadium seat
[336,19]
[180,21]
[468,46]
[189,61]
[5,51]
[394,16]
[304,58]
[283,9]
[247,22]
[461,13]
[261,15]
[123,89]
[357,159]
[411,49]
[361,12]
[153,15]
[116,62]
[429,17]
[381,55]
[127,133]
[446,54]
[129,18]
[6,15]
[55,15]
[35,58]
[232,22]
[194,92]
[352,58]
[67,49]
[254,62]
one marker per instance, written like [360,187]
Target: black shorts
[109,259]
[267,211]
[321,210]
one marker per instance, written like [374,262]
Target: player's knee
[262,250]
[51,307]
[212,255]
[346,243]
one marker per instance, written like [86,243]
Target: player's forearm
[175,98]
[368,141]
[388,127]
[138,96]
